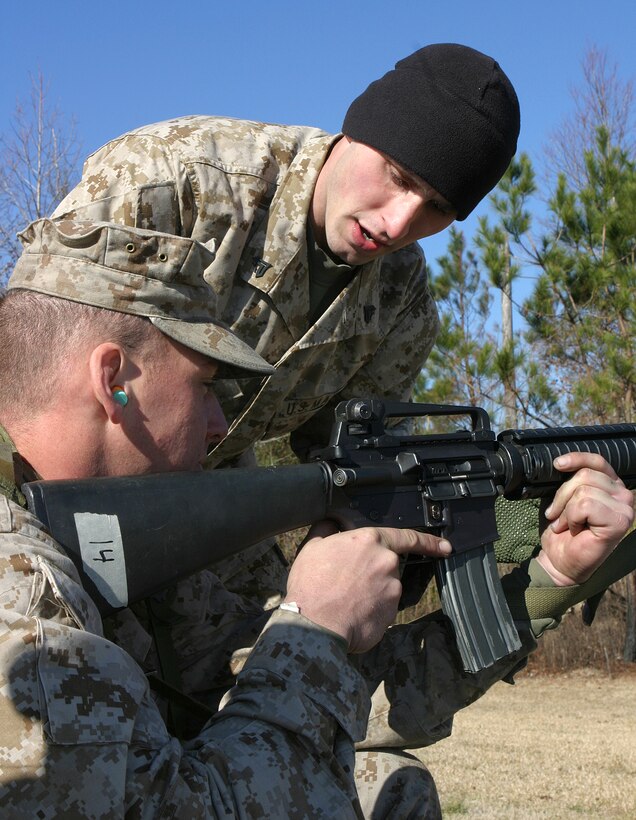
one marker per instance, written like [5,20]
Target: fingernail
[445,546]
[548,511]
[560,461]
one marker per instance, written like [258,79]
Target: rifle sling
[542,600]
[181,707]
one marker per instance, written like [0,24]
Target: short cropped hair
[39,333]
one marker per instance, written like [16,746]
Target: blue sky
[118,65]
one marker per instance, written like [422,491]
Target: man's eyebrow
[421,185]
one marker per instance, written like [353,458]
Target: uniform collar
[14,470]
[281,272]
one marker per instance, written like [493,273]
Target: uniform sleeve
[418,682]
[82,736]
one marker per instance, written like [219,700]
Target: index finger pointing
[404,542]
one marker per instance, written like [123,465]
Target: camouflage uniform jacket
[80,733]
[246,187]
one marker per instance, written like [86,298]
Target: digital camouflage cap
[145,273]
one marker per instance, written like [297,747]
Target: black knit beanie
[448,114]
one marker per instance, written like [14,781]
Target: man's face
[366,205]
[175,415]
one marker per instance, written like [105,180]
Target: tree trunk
[507,340]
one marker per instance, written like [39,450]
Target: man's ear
[107,364]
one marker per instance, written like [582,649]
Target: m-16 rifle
[132,536]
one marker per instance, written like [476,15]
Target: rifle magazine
[472,598]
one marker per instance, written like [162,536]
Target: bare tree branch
[602,99]
[39,159]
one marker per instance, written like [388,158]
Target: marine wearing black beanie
[448,114]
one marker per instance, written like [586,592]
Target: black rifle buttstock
[130,537]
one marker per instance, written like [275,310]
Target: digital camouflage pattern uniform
[82,735]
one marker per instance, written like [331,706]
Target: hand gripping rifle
[132,536]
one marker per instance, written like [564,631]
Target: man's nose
[217,424]
[400,216]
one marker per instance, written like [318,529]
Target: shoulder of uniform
[228,142]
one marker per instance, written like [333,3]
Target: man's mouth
[371,242]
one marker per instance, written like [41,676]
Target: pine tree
[581,313]
[459,369]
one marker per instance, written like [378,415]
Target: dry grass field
[552,747]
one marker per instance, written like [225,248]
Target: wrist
[328,620]
[295,609]
[559,579]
